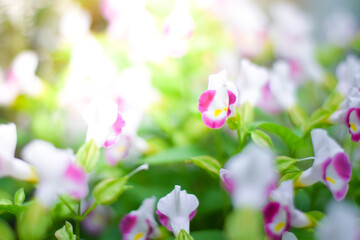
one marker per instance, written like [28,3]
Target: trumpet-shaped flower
[347,72]
[341,223]
[218,102]
[140,224]
[251,82]
[250,175]
[331,165]
[57,171]
[281,214]
[177,209]
[9,165]
[104,122]
[349,114]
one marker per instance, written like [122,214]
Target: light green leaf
[34,223]
[173,155]
[6,232]
[293,142]
[283,163]
[183,235]
[88,155]
[315,217]
[19,197]
[233,122]
[108,190]
[244,224]
[65,233]
[297,116]
[208,163]
[7,206]
[261,138]
[290,176]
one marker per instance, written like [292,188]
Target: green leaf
[302,233]
[88,155]
[247,113]
[283,163]
[6,232]
[290,176]
[19,197]
[34,223]
[208,163]
[65,233]
[244,224]
[315,217]
[108,190]
[298,116]
[183,235]
[293,142]
[208,235]
[7,206]
[233,123]
[173,155]
[261,138]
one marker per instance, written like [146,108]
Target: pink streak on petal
[214,124]
[118,125]
[342,166]
[227,183]
[269,212]
[192,215]
[127,224]
[205,100]
[151,229]
[164,220]
[340,195]
[232,97]
[75,174]
[354,136]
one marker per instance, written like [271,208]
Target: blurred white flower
[9,165]
[341,222]
[253,175]
[57,170]
[177,209]
[346,72]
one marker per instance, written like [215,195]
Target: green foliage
[107,191]
[244,224]
[261,138]
[211,165]
[8,206]
[183,235]
[284,163]
[88,155]
[65,233]
[19,197]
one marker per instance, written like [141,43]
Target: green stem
[89,210]
[63,200]
[78,222]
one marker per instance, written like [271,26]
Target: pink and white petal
[115,132]
[118,151]
[288,236]
[22,170]
[352,121]
[299,219]
[227,180]
[75,181]
[127,225]
[211,121]
[205,99]
[164,220]
[276,220]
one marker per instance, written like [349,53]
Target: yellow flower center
[353,127]
[217,112]
[279,226]
[120,149]
[138,236]
[226,109]
[329,179]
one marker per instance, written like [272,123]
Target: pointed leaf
[108,190]
[65,233]
[183,235]
[88,155]
[19,197]
[208,163]
[261,138]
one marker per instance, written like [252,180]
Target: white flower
[251,81]
[57,171]
[9,165]
[340,223]
[176,210]
[104,122]
[253,174]
[140,224]
[346,72]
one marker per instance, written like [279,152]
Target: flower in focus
[341,223]
[349,114]
[178,29]
[9,165]
[140,224]
[251,82]
[250,175]
[177,209]
[104,122]
[347,73]
[218,102]
[331,165]
[57,170]
[280,214]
